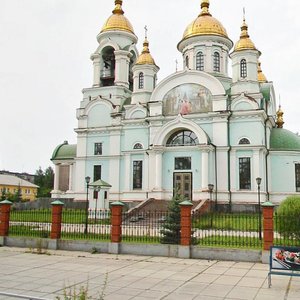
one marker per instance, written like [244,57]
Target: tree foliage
[45,181]
[288,214]
[171,227]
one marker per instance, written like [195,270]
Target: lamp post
[210,189]
[258,181]
[97,189]
[87,181]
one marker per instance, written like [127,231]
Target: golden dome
[145,58]
[205,24]
[117,21]
[260,75]
[245,42]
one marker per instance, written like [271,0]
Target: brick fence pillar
[116,221]
[186,223]
[4,217]
[57,207]
[268,224]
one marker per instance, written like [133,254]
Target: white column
[158,170]
[234,171]
[97,69]
[122,67]
[70,177]
[146,172]
[127,172]
[256,170]
[56,178]
[204,170]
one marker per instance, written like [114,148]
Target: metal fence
[286,230]
[30,223]
[91,225]
[239,230]
[227,230]
[143,226]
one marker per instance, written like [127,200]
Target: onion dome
[279,121]
[117,21]
[205,24]
[145,58]
[260,75]
[245,43]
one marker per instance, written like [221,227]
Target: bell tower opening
[107,76]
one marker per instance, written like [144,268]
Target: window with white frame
[297,176]
[98,149]
[141,80]
[243,67]
[245,173]
[244,141]
[137,174]
[216,62]
[200,61]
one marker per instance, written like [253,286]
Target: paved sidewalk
[138,277]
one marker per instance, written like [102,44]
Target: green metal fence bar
[74,224]
[143,226]
[226,230]
[30,223]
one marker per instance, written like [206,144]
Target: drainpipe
[267,154]
[216,173]
[228,159]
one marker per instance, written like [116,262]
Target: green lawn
[71,216]
[238,222]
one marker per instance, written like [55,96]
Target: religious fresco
[187,99]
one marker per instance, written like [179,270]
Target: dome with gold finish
[245,43]
[117,21]
[145,58]
[260,75]
[205,24]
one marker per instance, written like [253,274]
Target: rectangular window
[137,174]
[183,163]
[297,174]
[98,149]
[245,173]
[97,176]
[63,180]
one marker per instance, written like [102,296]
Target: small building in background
[12,186]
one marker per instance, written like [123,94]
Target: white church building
[196,128]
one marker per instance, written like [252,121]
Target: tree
[45,181]
[171,227]
[288,214]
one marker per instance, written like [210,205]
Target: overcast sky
[45,48]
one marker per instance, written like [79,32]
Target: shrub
[171,227]
[288,214]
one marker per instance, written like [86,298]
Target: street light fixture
[210,189]
[258,181]
[87,181]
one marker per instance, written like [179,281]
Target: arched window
[244,141]
[200,61]
[243,66]
[138,146]
[187,63]
[216,62]
[141,80]
[182,138]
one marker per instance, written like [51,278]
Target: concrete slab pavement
[137,277]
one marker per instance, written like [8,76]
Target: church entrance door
[182,184]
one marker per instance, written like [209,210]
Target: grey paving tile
[245,293]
